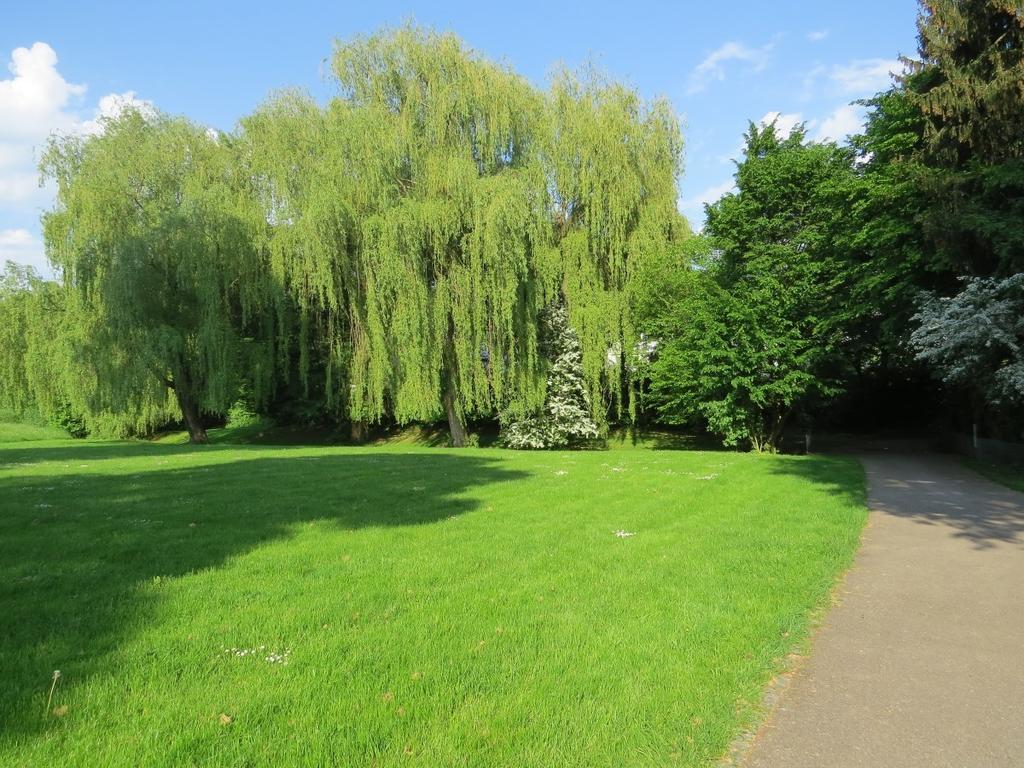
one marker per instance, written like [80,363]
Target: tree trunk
[456,427]
[194,424]
[775,435]
[189,410]
[358,431]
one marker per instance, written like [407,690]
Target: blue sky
[719,64]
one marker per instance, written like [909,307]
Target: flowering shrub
[567,417]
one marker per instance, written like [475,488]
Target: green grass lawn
[1008,475]
[284,606]
[17,432]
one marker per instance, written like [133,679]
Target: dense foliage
[749,335]
[445,240]
[968,88]
[839,278]
[392,250]
[167,296]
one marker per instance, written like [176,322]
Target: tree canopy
[445,240]
[749,334]
[427,217]
[394,249]
[168,296]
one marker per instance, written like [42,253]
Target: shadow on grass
[662,440]
[75,452]
[841,476]
[75,546]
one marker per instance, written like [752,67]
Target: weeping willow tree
[410,225]
[424,219]
[401,242]
[35,349]
[300,158]
[30,332]
[614,163]
[169,303]
[16,294]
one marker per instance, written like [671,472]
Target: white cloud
[35,102]
[110,108]
[21,246]
[19,186]
[843,121]
[784,123]
[865,77]
[712,69]
[818,35]
[36,97]
[14,238]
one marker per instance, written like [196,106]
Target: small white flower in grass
[624,534]
[419,487]
[274,657]
[561,473]
[706,477]
[43,506]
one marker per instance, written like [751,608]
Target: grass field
[281,606]
[17,432]
[1010,476]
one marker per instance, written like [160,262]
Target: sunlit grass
[402,606]
[16,432]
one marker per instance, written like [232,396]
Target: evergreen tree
[969,80]
[968,86]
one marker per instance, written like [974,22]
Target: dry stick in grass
[53,685]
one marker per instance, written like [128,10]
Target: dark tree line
[865,286]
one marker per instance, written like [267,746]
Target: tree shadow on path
[929,488]
[935,489]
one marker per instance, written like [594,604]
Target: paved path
[922,661]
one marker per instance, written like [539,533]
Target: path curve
[921,663]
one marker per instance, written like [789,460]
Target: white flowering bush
[566,418]
[976,338]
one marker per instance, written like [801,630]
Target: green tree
[614,162]
[415,228]
[968,86]
[422,221]
[35,353]
[747,334]
[879,241]
[16,284]
[168,297]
